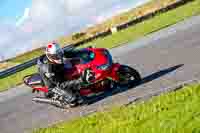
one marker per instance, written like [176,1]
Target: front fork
[114,76]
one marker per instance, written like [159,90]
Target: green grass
[130,34]
[175,112]
[15,79]
[25,57]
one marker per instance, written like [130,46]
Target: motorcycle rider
[51,69]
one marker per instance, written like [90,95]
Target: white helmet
[54,53]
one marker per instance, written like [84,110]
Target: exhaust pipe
[46,100]
[56,103]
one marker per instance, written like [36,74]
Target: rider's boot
[72,88]
[78,101]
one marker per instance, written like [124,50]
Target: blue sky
[11,10]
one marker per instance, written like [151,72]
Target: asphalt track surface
[164,58]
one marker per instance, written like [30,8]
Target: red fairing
[100,59]
[85,92]
[44,89]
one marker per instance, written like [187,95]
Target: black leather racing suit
[53,76]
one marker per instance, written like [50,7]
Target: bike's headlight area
[108,64]
[104,67]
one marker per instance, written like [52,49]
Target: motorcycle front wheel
[128,76]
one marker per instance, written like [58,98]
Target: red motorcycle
[93,61]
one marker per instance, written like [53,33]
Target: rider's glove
[49,75]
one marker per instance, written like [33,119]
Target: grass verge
[130,34]
[15,79]
[28,56]
[175,112]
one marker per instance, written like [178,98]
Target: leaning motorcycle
[98,62]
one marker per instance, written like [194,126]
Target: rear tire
[128,76]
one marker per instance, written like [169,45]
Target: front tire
[128,76]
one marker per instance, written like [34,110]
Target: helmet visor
[54,56]
[57,56]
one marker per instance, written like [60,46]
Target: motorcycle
[97,62]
